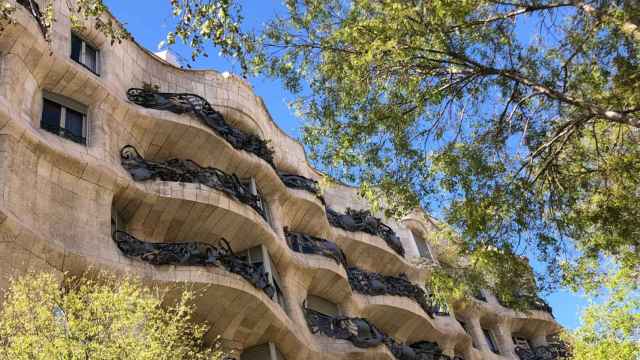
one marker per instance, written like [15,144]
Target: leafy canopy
[105,318]
[610,329]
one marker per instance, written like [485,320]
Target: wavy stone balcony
[308,244]
[200,108]
[363,334]
[193,254]
[187,171]
[375,284]
[362,220]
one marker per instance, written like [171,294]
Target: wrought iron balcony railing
[308,244]
[363,334]
[34,9]
[362,220]
[194,254]
[188,171]
[180,103]
[554,351]
[302,183]
[374,284]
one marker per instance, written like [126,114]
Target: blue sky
[150,20]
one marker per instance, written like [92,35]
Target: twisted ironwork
[180,103]
[308,244]
[194,254]
[300,182]
[363,334]
[553,351]
[374,284]
[362,220]
[188,171]
[34,9]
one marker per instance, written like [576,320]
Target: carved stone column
[503,336]
[478,336]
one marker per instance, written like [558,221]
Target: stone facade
[63,200]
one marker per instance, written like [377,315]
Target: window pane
[74,124]
[51,113]
[91,58]
[423,248]
[76,48]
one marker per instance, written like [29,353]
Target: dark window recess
[76,49]
[74,123]
[423,248]
[84,54]
[51,116]
[63,121]
[91,58]
[488,335]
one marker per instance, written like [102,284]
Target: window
[423,247]
[250,183]
[85,54]
[491,341]
[65,118]
[323,306]
[267,351]
[259,256]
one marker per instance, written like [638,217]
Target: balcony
[181,103]
[307,244]
[187,171]
[302,183]
[363,334]
[194,254]
[362,220]
[375,284]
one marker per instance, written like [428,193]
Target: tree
[610,329]
[516,122]
[101,318]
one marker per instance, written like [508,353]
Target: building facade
[113,158]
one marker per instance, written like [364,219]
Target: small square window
[85,54]
[63,120]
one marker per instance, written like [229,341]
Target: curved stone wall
[61,202]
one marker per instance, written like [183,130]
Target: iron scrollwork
[188,171]
[194,254]
[374,284]
[308,244]
[180,103]
[362,220]
[360,332]
[300,182]
[553,351]
[422,350]
[363,334]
